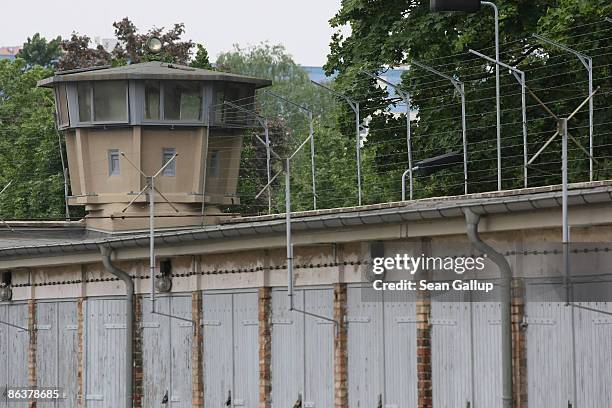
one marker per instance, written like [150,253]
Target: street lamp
[472,6]
[154,45]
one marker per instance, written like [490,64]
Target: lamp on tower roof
[154,45]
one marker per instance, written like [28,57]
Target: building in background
[9,52]
[108,44]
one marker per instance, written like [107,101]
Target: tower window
[182,100]
[170,170]
[84,99]
[214,163]
[110,101]
[62,105]
[152,99]
[102,101]
[7,278]
[113,162]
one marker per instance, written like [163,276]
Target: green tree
[390,33]
[263,60]
[76,53]
[335,154]
[28,144]
[37,51]
[201,59]
[131,47]
[273,62]
[132,44]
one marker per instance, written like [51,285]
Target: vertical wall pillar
[519,345]
[197,383]
[423,340]
[265,347]
[136,179]
[424,370]
[80,353]
[82,155]
[340,348]
[32,347]
[138,373]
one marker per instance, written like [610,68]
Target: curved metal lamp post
[520,77]
[460,87]
[355,107]
[472,6]
[588,64]
[406,98]
[311,137]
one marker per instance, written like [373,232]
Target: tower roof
[150,70]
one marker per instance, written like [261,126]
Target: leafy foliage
[76,53]
[335,164]
[37,51]
[132,45]
[29,141]
[391,33]
[28,144]
[131,48]
[264,60]
[201,59]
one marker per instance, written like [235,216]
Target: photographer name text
[425,285]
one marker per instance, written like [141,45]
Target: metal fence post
[459,86]
[520,77]
[355,107]
[588,64]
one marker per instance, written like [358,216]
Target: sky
[302,26]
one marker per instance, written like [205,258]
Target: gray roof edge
[478,198]
[258,82]
[151,70]
[366,217]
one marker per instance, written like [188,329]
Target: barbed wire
[281,136]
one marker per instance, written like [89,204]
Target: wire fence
[382,137]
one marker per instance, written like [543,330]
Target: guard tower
[149,112]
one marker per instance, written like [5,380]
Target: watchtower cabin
[122,123]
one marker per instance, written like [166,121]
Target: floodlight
[154,45]
[454,5]
[434,164]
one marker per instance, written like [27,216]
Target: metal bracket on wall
[192,323]
[591,309]
[210,323]
[443,322]
[16,326]
[539,321]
